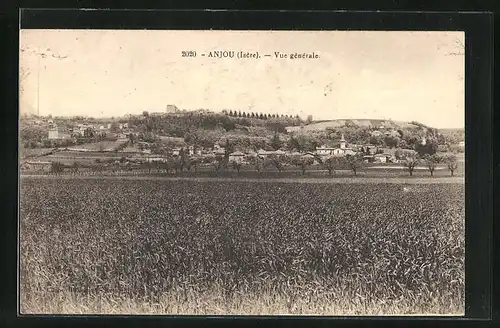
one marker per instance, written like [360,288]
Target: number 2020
[189,54]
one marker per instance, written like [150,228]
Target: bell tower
[342,142]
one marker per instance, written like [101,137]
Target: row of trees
[431,162]
[183,162]
[259,115]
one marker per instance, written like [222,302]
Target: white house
[325,150]
[380,158]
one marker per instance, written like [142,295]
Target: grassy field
[146,246]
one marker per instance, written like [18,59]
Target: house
[109,126]
[125,125]
[219,152]
[369,149]
[237,156]
[191,150]
[101,127]
[325,150]
[380,158]
[368,158]
[265,153]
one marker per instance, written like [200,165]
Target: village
[103,143]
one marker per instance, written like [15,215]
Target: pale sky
[360,74]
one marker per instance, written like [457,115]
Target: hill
[369,123]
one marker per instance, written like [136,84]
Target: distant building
[172,109]
[264,153]
[343,150]
[325,150]
[109,125]
[380,158]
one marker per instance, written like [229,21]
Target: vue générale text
[251,55]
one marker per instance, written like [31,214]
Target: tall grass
[182,247]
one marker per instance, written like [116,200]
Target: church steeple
[342,142]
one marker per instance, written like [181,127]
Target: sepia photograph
[254,173]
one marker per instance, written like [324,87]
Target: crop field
[119,246]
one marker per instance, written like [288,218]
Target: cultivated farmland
[227,247]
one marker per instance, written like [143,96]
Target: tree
[275,142]
[451,163]
[278,161]
[239,113]
[132,138]
[183,160]
[195,162]
[218,163]
[303,162]
[430,162]
[145,114]
[88,133]
[430,147]
[354,162]
[114,128]
[410,162]
[74,167]
[176,164]
[257,162]
[331,163]
[236,165]
[231,112]
[309,119]
[56,167]
[391,141]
